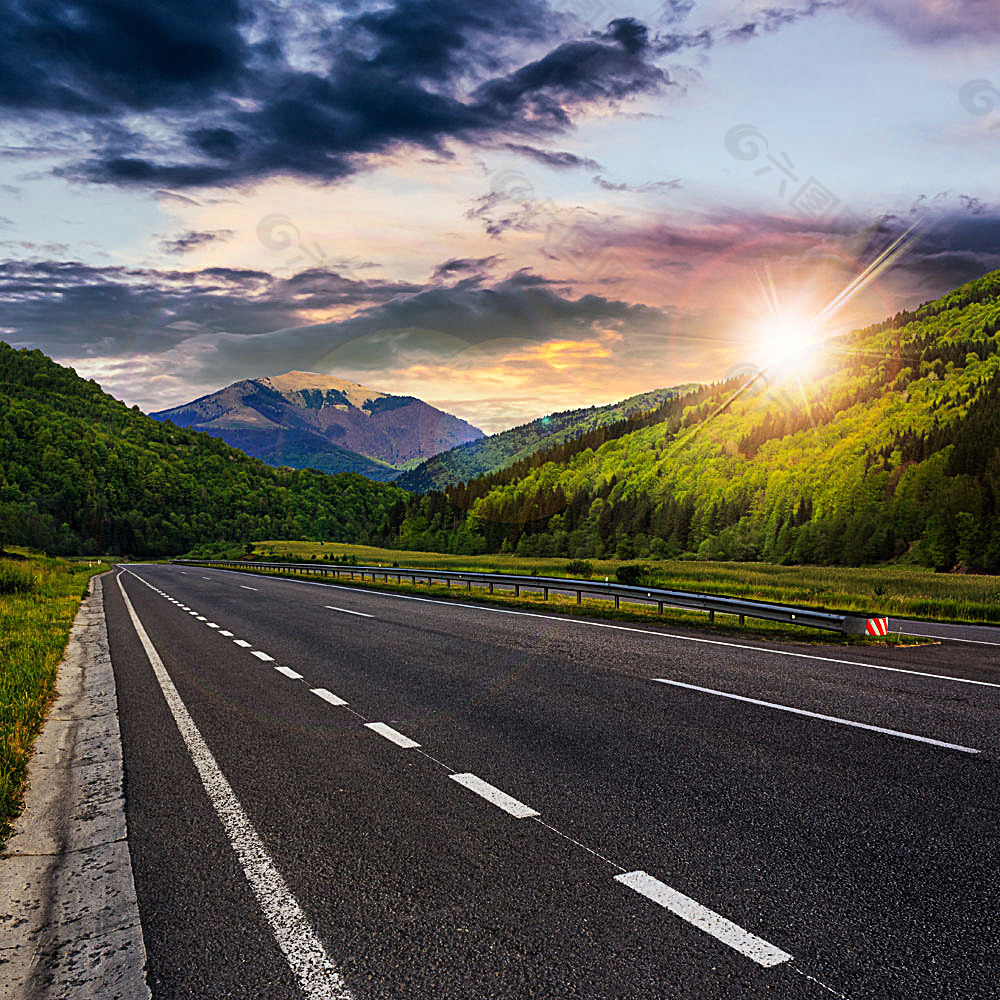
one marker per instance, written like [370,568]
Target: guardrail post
[517,590]
[579,597]
[711,616]
[617,605]
[468,586]
[491,588]
[743,619]
[545,593]
[659,607]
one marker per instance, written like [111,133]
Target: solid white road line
[243,643]
[317,976]
[705,919]
[262,656]
[347,611]
[288,672]
[641,631]
[225,632]
[327,696]
[248,588]
[392,735]
[493,794]
[816,715]
[952,638]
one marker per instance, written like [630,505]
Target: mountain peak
[297,382]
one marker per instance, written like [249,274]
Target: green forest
[81,473]
[890,451]
[498,451]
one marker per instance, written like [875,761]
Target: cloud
[177,95]
[465,267]
[558,160]
[192,240]
[649,186]
[933,22]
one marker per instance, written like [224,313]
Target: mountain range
[305,420]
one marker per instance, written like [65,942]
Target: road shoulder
[71,925]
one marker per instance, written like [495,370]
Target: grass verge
[39,598]
[904,591]
[599,609]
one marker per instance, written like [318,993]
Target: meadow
[895,590]
[39,598]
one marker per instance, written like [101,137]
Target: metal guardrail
[849,623]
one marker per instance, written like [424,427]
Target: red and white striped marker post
[877,626]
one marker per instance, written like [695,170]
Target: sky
[505,209]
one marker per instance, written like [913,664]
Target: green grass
[597,608]
[39,598]
[892,590]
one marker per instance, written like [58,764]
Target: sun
[786,342]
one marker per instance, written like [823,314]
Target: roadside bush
[630,574]
[15,579]
[580,568]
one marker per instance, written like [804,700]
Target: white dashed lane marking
[225,632]
[244,587]
[288,672]
[242,642]
[262,656]
[347,611]
[332,699]
[816,715]
[493,794]
[755,948]
[392,735]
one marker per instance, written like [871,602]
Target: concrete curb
[70,928]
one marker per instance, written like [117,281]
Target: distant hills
[490,454]
[888,449]
[80,472]
[306,420]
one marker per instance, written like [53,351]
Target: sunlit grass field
[893,590]
[39,598]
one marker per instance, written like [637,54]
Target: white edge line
[318,977]
[817,715]
[753,947]
[640,631]
[392,735]
[495,796]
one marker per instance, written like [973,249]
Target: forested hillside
[82,473]
[498,451]
[889,449]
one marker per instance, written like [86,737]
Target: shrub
[630,574]
[16,579]
[580,568]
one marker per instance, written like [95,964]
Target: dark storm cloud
[181,94]
[192,240]
[74,308]
[430,326]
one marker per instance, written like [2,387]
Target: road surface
[334,792]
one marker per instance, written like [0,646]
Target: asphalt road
[593,810]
